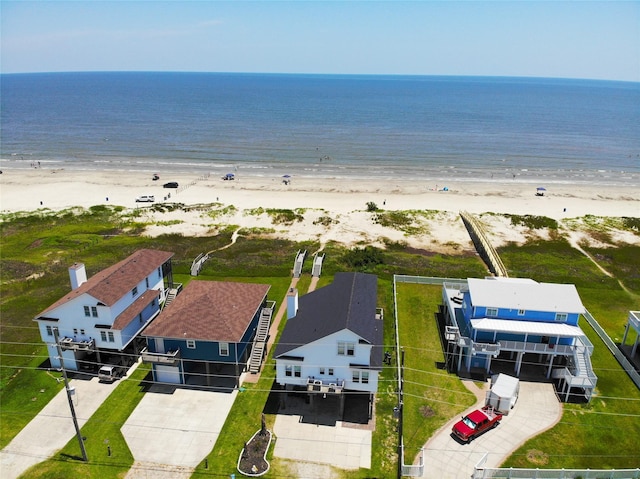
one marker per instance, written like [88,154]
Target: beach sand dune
[333,209]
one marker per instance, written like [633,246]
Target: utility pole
[56,337]
[400,413]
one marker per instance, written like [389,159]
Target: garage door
[167,374]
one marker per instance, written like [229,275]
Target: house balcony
[73,344]
[485,348]
[171,358]
[539,348]
[332,386]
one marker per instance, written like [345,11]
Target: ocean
[422,127]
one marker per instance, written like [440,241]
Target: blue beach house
[205,336]
[519,322]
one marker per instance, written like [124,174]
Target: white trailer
[503,393]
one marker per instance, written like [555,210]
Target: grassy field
[38,247]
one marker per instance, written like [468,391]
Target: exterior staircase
[171,295]
[260,340]
[579,373]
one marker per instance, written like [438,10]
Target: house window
[224,349]
[134,291]
[191,343]
[356,376]
[492,312]
[330,371]
[321,369]
[103,336]
[111,338]
[94,311]
[87,311]
[49,331]
[159,272]
[365,377]
[288,370]
[521,312]
[75,331]
[146,282]
[561,316]
[82,332]
[346,348]
[140,318]
[153,303]
[297,371]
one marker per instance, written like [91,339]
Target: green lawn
[432,396]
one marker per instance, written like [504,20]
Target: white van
[145,199]
[109,373]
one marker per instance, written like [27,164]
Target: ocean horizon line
[355,76]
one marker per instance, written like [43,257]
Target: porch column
[550,366]
[626,331]
[635,346]
[489,356]
[459,358]
[519,363]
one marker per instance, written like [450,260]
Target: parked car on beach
[171,184]
[145,199]
[476,423]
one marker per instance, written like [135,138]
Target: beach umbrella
[286,176]
[541,188]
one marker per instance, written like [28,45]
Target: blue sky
[575,39]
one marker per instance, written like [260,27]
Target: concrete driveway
[313,434]
[537,410]
[170,432]
[53,427]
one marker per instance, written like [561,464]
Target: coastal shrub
[217,212]
[371,206]
[631,224]
[284,216]
[364,257]
[325,221]
[409,222]
[533,222]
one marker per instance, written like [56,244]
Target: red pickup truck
[476,423]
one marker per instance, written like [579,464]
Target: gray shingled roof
[347,303]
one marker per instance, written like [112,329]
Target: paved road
[53,427]
[537,410]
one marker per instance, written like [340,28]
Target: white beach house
[104,314]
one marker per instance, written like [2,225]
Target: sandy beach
[343,200]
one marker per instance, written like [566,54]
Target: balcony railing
[170,358]
[68,343]
[323,386]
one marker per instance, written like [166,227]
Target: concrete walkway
[53,427]
[170,433]
[537,410]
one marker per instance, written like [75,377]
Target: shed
[503,393]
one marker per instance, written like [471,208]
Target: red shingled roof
[112,283]
[210,311]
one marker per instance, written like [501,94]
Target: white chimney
[77,275]
[292,303]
